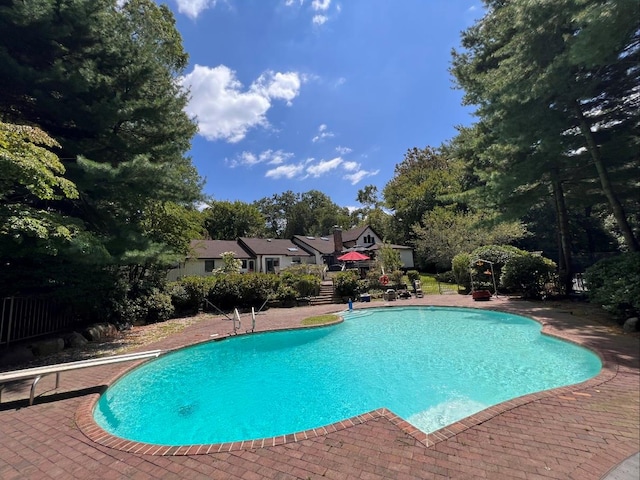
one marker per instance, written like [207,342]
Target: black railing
[22,318]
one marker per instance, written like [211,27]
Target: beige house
[274,254]
[256,254]
[327,249]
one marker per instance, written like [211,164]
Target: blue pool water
[431,366]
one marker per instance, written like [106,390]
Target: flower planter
[481,294]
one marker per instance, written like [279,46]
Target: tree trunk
[562,219]
[603,175]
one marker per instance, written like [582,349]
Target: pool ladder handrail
[236,316]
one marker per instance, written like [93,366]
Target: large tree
[419,184]
[225,220]
[308,213]
[555,83]
[101,77]
[372,213]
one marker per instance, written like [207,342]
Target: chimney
[337,239]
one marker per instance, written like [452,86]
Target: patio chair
[417,288]
[389,295]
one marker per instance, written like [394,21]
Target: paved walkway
[579,432]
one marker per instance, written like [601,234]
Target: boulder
[47,346]
[98,331]
[631,324]
[91,333]
[75,339]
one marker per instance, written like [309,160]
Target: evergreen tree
[101,77]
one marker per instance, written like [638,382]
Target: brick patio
[577,432]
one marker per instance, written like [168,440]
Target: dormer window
[369,239]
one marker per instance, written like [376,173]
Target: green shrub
[185,299]
[256,288]
[159,307]
[396,278]
[306,285]
[446,277]
[413,275]
[614,283]
[460,265]
[530,275]
[286,294]
[373,280]
[226,291]
[485,273]
[346,283]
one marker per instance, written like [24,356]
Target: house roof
[353,234]
[324,245]
[215,249]
[378,246]
[273,246]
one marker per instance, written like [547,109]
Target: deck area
[579,432]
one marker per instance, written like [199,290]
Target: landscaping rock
[631,324]
[75,339]
[99,331]
[91,333]
[47,346]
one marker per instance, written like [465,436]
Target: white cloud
[320,5]
[319,19]
[193,8]
[224,110]
[287,171]
[269,157]
[324,167]
[284,86]
[275,158]
[343,150]
[322,134]
[350,166]
[355,178]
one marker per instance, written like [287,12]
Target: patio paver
[577,432]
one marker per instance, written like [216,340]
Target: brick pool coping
[86,423]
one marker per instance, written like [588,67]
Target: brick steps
[326,295]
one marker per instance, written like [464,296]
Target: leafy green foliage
[460,265]
[185,300]
[231,220]
[346,283]
[413,275]
[420,183]
[553,83]
[614,283]
[103,81]
[447,231]
[389,258]
[305,285]
[309,213]
[230,264]
[531,275]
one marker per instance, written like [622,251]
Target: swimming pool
[431,366]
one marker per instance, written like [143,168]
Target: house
[274,254]
[206,256]
[364,239]
[256,254]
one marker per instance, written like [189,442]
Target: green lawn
[431,286]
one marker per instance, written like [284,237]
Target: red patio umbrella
[353,257]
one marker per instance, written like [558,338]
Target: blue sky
[318,94]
